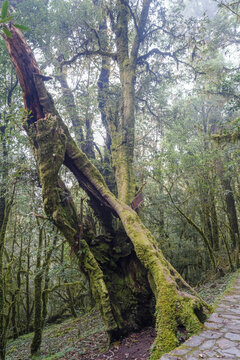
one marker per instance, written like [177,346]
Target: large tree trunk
[53,147]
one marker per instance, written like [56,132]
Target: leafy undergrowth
[60,341]
[214,288]
[84,338]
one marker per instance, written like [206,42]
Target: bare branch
[38,216]
[148,107]
[95,33]
[151,72]
[89,53]
[153,52]
[228,7]
[111,17]
[140,29]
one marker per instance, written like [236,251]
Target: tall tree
[53,147]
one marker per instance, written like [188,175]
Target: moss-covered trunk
[122,127]
[27,280]
[126,280]
[59,206]
[37,338]
[214,222]
[54,147]
[125,276]
[17,271]
[122,133]
[71,108]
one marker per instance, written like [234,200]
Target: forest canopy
[119,155]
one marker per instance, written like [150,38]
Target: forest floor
[220,337]
[84,338]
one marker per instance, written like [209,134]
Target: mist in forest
[119,175]
[198,8]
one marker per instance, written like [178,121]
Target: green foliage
[7,32]
[6,19]
[4,11]
[22,27]
[178,110]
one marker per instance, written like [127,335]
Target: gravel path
[220,338]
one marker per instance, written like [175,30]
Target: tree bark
[70,105]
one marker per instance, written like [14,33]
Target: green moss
[64,331]
[163,283]
[126,63]
[58,204]
[163,345]
[228,289]
[98,288]
[172,309]
[187,316]
[101,251]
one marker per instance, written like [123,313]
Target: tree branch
[132,15]
[228,7]
[148,106]
[140,29]
[153,52]
[89,53]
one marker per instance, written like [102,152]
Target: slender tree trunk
[37,338]
[205,216]
[2,301]
[71,108]
[230,204]
[214,222]
[28,304]
[14,295]
[71,302]
[46,267]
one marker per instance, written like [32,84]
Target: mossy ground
[76,338]
[212,290]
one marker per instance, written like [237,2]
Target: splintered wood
[137,201]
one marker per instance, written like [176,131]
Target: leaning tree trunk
[53,147]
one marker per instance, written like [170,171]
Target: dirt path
[221,336]
[135,347]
